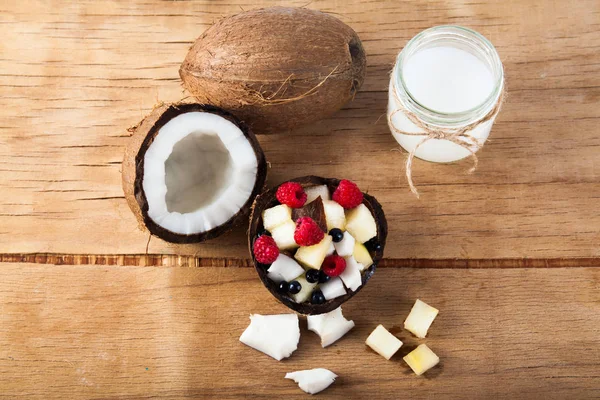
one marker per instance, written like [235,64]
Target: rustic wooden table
[90,308]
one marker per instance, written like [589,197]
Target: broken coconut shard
[330,327]
[191,172]
[312,381]
[266,208]
[275,335]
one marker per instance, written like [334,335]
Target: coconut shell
[268,200]
[133,170]
[276,68]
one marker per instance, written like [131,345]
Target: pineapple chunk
[276,216]
[421,359]
[306,291]
[361,224]
[383,342]
[334,214]
[313,256]
[312,192]
[284,235]
[362,255]
[420,318]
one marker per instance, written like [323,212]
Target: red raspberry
[291,194]
[307,232]
[333,265]
[348,195]
[265,250]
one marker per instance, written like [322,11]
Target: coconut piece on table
[330,327]
[312,381]
[275,335]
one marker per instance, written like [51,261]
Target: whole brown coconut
[133,169]
[276,68]
[268,200]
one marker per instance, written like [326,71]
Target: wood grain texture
[75,75]
[170,260]
[148,332]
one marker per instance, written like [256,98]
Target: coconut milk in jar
[444,94]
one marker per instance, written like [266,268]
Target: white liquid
[447,79]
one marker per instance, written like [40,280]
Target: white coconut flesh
[198,173]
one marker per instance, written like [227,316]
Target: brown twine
[460,136]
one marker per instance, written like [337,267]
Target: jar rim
[475,41]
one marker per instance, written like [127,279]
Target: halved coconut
[267,200]
[191,171]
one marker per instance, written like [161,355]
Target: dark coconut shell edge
[267,200]
[133,170]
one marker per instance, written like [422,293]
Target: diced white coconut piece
[383,342]
[313,256]
[421,359]
[352,276]
[284,269]
[334,215]
[332,289]
[331,250]
[312,381]
[361,223]
[274,335]
[275,216]
[331,326]
[362,255]
[420,319]
[307,289]
[345,247]
[312,192]
[284,235]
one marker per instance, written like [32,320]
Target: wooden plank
[170,260]
[74,76]
[147,332]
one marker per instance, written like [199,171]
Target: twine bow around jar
[460,136]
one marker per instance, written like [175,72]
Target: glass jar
[410,113]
